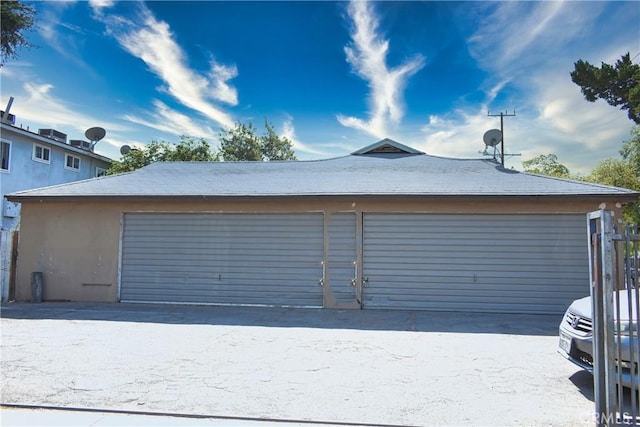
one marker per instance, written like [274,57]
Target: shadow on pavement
[583,380]
[384,320]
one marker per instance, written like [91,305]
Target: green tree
[631,149]
[240,143]
[546,164]
[618,84]
[275,147]
[187,149]
[615,172]
[619,173]
[243,144]
[16,18]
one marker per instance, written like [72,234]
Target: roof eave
[618,198]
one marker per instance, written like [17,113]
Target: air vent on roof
[53,134]
[387,146]
[5,115]
[11,119]
[387,149]
[85,145]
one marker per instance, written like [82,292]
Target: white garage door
[252,259]
[481,263]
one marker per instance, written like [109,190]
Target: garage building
[387,227]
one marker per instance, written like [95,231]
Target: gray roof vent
[53,134]
[85,145]
[10,118]
[386,146]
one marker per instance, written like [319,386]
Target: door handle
[354,281]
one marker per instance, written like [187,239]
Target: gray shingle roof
[370,174]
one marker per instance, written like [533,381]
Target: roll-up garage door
[247,259]
[476,263]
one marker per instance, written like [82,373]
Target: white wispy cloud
[367,55]
[459,133]
[170,121]
[514,34]
[289,132]
[37,105]
[42,107]
[60,36]
[98,5]
[528,50]
[456,134]
[152,41]
[12,72]
[576,129]
[220,74]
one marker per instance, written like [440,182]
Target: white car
[576,336]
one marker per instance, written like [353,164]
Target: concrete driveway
[369,367]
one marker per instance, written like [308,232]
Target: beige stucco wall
[76,244]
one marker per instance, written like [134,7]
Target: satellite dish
[492,137]
[124,149]
[94,135]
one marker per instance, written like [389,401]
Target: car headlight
[625,328]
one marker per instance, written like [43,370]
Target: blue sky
[331,76]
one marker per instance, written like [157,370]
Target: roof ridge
[236,162]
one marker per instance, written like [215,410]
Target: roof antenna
[502,116]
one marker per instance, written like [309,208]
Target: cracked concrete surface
[385,367]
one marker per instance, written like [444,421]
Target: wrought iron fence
[614,255]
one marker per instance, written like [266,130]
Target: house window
[5,149]
[72,162]
[100,171]
[41,153]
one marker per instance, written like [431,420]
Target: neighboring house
[386,227]
[34,160]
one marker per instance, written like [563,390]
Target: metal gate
[615,298]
